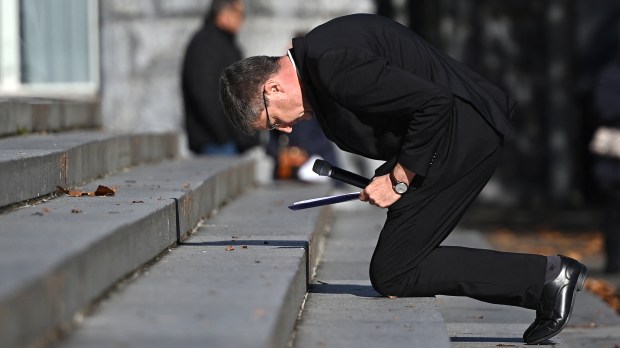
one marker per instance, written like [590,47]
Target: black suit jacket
[381,91]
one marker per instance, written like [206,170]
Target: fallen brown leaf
[100,191]
[72,193]
[605,291]
[104,191]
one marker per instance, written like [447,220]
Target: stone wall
[143,42]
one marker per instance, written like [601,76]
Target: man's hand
[380,192]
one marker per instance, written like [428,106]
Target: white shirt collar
[290,56]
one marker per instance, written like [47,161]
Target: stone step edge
[29,173]
[25,115]
[284,331]
[183,211]
[295,302]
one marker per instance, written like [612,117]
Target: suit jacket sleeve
[367,84]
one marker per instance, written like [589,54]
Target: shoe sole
[581,280]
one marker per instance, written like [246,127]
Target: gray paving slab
[32,166]
[202,295]
[353,315]
[343,310]
[56,257]
[472,323]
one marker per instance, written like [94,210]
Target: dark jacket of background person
[210,50]
[375,71]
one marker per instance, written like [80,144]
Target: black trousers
[408,259]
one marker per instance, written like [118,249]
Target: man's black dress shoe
[556,303]
[527,331]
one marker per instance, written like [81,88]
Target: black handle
[324,168]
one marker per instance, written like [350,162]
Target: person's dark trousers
[611,230]
[408,259]
[215,149]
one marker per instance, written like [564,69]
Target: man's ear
[272,86]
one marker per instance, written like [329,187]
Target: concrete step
[238,281]
[351,314]
[26,115]
[32,166]
[58,256]
[342,309]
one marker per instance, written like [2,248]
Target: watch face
[400,188]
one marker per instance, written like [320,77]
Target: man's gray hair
[241,87]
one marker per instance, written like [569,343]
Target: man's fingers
[363,196]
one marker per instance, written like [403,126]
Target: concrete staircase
[187,252]
[58,253]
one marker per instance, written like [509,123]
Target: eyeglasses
[269,125]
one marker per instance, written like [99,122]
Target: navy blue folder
[317,202]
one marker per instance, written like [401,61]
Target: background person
[210,50]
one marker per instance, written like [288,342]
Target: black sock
[554,265]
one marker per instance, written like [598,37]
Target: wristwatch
[399,187]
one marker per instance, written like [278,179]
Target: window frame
[11,84]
